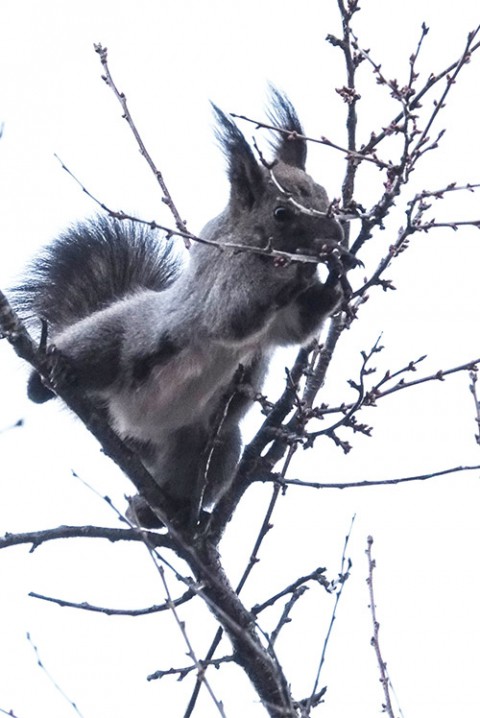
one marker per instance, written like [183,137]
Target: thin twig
[377,391]
[351,96]
[208,453]
[375,642]
[287,609]
[316,378]
[370,397]
[453,224]
[440,375]
[473,388]
[316,575]
[36,538]
[198,664]
[451,79]
[350,154]
[185,670]
[433,79]
[167,197]
[345,566]
[85,606]
[267,251]
[359,387]
[51,679]
[361,484]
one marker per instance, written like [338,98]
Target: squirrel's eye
[282,214]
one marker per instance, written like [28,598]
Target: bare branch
[451,79]
[197,663]
[167,197]
[305,705]
[473,388]
[267,251]
[121,215]
[85,606]
[253,560]
[360,388]
[36,538]
[350,95]
[415,102]
[321,362]
[231,392]
[251,458]
[316,575]
[350,154]
[376,392]
[285,617]
[9,713]
[453,224]
[383,388]
[379,482]
[384,677]
[345,566]
[51,679]
[182,672]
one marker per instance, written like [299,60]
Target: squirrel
[158,344]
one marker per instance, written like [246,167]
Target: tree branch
[36,538]
[167,197]
[361,484]
[85,606]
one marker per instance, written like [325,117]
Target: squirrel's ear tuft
[287,147]
[246,177]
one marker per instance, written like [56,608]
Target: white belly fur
[174,395]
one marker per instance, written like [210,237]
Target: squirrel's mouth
[324,249]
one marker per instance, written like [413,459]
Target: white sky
[170,58]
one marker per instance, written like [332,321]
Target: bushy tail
[91,265]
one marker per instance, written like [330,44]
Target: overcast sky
[171,58]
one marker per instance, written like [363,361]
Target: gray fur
[159,346]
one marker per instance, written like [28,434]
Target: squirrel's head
[275,205]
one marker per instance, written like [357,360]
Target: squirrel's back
[90,266]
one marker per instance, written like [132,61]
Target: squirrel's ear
[287,147]
[246,177]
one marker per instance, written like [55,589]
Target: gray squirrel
[158,345]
